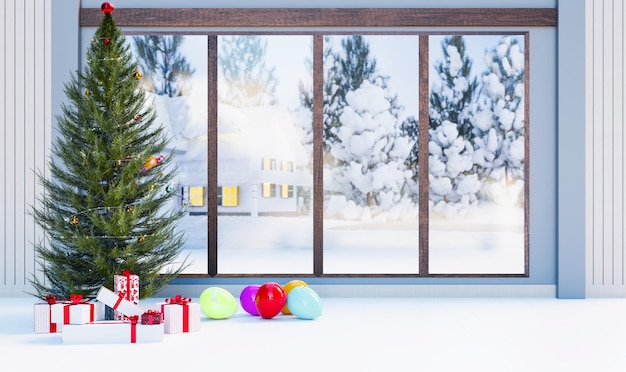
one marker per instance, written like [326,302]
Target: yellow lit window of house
[269,164]
[286,166]
[286,191]
[230,196]
[269,190]
[196,196]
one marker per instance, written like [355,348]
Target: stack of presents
[81,321]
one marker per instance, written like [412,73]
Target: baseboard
[394,291]
[605,291]
[379,291]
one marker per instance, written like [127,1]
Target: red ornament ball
[270,299]
[106,41]
[107,8]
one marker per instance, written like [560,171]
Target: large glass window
[346,154]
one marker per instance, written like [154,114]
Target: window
[286,191]
[269,190]
[345,187]
[229,196]
[269,164]
[286,166]
[196,196]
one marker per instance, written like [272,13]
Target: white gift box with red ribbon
[180,315]
[112,332]
[118,302]
[128,285]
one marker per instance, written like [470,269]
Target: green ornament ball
[217,303]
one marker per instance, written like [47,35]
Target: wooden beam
[325,17]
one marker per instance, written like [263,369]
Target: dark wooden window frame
[318,22]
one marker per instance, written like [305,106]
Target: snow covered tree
[453,184]
[166,70]
[104,208]
[452,91]
[499,123]
[370,168]
[366,151]
[345,72]
[248,81]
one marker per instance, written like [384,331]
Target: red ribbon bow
[178,300]
[76,299]
[51,299]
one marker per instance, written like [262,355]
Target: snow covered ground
[491,242]
[357,334]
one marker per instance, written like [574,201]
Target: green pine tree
[104,211]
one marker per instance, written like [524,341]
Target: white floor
[353,335]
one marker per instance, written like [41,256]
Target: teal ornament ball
[304,303]
[217,303]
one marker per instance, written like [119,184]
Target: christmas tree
[107,206]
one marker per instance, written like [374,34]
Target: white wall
[25,102]
[605,134]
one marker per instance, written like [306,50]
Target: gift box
[50,316]
[151,317]
[118,303]
[75,311]
[112,332]
[180,315]
[128,285]
[43,316]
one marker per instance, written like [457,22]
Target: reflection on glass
[370,154]
[264,148]
[476,155]
[174,69]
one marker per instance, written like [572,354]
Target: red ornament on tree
[107,8]
[106,41]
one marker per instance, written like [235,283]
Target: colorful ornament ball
[270,300]
[288,287]
[106,8]
[217,303]
[247,299]
[304,303]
